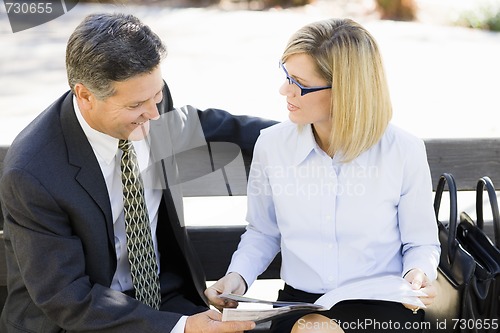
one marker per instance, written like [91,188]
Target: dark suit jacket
[58,229]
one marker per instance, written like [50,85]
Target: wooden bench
[466,159]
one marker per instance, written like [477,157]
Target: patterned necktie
[141,255]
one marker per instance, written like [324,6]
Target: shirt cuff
[179,327]
[429,266]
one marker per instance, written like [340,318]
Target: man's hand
[232,283]
[420,281]
[210,322]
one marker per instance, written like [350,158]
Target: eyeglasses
[303,90]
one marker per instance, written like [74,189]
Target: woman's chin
[296,120]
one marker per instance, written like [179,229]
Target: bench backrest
[466,159]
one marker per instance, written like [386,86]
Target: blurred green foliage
[486,18]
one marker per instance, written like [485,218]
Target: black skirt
[353,316]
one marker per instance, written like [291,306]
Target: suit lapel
[80,154]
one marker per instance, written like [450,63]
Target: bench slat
[215,246]
[466,159]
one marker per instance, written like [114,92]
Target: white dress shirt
[109,158]
[337,222]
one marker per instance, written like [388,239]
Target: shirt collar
[103,145]
[307,143]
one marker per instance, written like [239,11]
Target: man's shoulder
[37,138]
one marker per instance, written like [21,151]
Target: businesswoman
[341,192]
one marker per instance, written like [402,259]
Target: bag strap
[447,178]
[482,183]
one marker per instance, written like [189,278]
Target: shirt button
[330,246]
[330,278]
[328,217]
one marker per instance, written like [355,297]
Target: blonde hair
[347,55]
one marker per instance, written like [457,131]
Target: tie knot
[125,145]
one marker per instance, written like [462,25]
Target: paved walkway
[443,80]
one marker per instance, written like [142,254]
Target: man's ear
[84,97]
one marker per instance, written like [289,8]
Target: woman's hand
[419,281]
[232,283]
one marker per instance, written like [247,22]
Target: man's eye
[135,106]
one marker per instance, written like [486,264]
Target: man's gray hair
[107,48]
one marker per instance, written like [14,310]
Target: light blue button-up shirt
[337,222]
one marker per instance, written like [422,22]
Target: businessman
[94,234]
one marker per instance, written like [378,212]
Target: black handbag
[487,256]
[468,283]
[482,184]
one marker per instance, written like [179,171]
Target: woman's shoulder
[278,131]
[399,136]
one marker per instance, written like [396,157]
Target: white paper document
[261,310]
[385,288]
